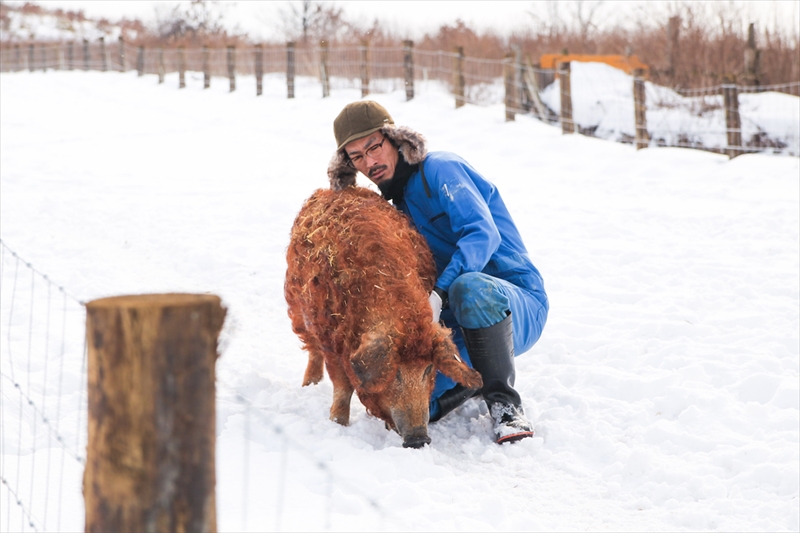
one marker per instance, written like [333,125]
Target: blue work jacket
[466,224]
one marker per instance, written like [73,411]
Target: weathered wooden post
[43,49]
[140,62]
[290,70]
[642,138]
[508,82]
[121,55]
[408,68]
[103,59]
[70,55]
[567,124]
[152,427]
[733,124]
[673,33]
[31,58]
[181,68]
[86,54]
[259,69]
[458,75]
[751,58]
[17,58]
[323,68]
[364,68]
[161,69]
[232,68]
[523,100]
[206,68]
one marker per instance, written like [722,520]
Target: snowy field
[664,390]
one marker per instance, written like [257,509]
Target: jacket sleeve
[470,221]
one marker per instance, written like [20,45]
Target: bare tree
[197,19]
[311,21]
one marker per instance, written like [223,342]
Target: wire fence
[44,413]
[591,105]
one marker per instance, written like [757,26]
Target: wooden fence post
[70,55]
[103,60]
[733,124]
[31,58]
[161,68]
[290,70]
[86,54]
[673,33]
[751,58]
[206,68]
[508,82]
[458,75]
[323,69]
[364,68]
[181,68]
[140,62]
[567,124]
[232,68]
[408,68]
[43,54]
[523,100]
[121,54]
[259,69]
[17,58]
[152,425]
[642,138]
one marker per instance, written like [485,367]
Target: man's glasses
[373,151]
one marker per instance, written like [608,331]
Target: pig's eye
[427,371]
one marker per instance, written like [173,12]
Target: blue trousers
[478,300]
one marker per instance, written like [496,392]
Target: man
[487,291]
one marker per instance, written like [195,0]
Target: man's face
[374,156]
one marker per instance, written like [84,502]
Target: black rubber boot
[491,351]
[452,398]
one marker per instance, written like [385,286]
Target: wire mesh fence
[594,104]
[44,414]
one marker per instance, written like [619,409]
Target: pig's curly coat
[357,270]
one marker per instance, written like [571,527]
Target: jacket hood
[411,144]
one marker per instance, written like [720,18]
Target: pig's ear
[373,361]
[449,363]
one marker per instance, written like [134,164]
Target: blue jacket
[466,224]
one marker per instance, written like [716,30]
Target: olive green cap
[358,120]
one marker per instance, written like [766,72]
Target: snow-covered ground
[664,390]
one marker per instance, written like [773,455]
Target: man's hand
[436,305]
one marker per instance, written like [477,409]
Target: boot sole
[514,437]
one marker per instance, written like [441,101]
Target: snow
[664,390]
[602,99]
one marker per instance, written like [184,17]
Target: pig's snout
[416,439]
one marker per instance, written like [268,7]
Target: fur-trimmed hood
[411,144]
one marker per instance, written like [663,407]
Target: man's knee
[477,301]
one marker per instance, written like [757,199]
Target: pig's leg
[314,369]
[342,393]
